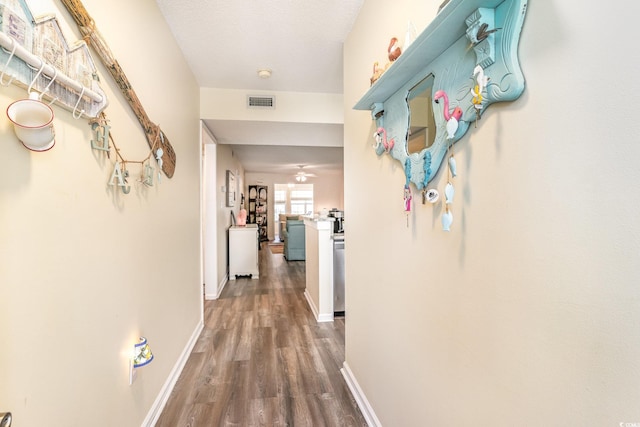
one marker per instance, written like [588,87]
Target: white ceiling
[225,43]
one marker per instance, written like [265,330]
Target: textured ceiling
[226,42]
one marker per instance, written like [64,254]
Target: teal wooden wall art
[35,54]
[464,61]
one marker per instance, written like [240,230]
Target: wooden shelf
[444,30]
[448,50]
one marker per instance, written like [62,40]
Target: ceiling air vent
[268,101]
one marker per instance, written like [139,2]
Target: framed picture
[231,189]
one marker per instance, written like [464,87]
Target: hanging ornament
[426,168]
[407,201]
[159,154]
[449,192]
[101,129]
[120,175]
[147,175]
[104,141]
[477,102]
[476,92]
[407,198]
[447,219]
[407,189]
[452,166]
[430,195]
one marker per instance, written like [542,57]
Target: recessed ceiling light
[264,73]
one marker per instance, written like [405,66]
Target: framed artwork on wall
[231,189]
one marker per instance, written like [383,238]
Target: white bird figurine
[481,79]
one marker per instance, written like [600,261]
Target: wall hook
[35,78]
[6,66]
[46,89]
[75,108]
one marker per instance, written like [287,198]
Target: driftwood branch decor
[93,38]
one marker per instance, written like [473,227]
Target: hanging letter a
[117,173]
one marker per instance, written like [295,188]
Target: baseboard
[312,305]
[325,318]
[167,388]
[366,409]
[221,286]
[314,309]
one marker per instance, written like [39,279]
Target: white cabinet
[243,251]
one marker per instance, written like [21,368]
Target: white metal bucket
[33,124]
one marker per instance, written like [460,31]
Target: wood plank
[262,367]
[156,138]
[263,360]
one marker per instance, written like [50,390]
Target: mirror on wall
[422,128]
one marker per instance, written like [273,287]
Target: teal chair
[294,240]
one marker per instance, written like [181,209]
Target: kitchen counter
[319,267]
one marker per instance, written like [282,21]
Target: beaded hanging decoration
[407,189]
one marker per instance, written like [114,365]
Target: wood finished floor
[263,360]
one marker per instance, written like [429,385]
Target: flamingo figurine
[381,138]
[451,118]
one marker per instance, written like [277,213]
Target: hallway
[263,360]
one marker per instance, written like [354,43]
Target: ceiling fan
[302,176]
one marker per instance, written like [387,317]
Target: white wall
[226,161]
[527,312]
[219,159]
[84,269]
[212,284]
[328,191]
[291,107]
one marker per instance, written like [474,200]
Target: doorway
[293,199]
